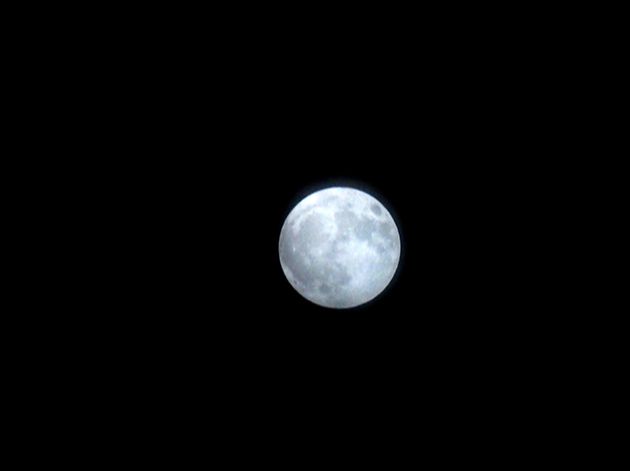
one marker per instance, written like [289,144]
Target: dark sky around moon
[207,253]
[207,137]
[456,298]
[212,169]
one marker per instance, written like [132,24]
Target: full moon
[339,247]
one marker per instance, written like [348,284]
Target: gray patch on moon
[339,275]
[345,220]
[376,209]
[386,229]
[365,228]
[325,289]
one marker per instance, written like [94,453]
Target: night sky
[450,139]
[457,294]
[446,161]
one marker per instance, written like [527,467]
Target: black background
[450,149]
[173,145]
[454,173]
[210,139]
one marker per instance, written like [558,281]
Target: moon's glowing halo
[340,245]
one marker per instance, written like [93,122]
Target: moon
[339,247]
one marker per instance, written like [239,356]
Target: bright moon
[339,247]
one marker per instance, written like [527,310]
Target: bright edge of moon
[339,247]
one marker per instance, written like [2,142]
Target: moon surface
[339,247]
